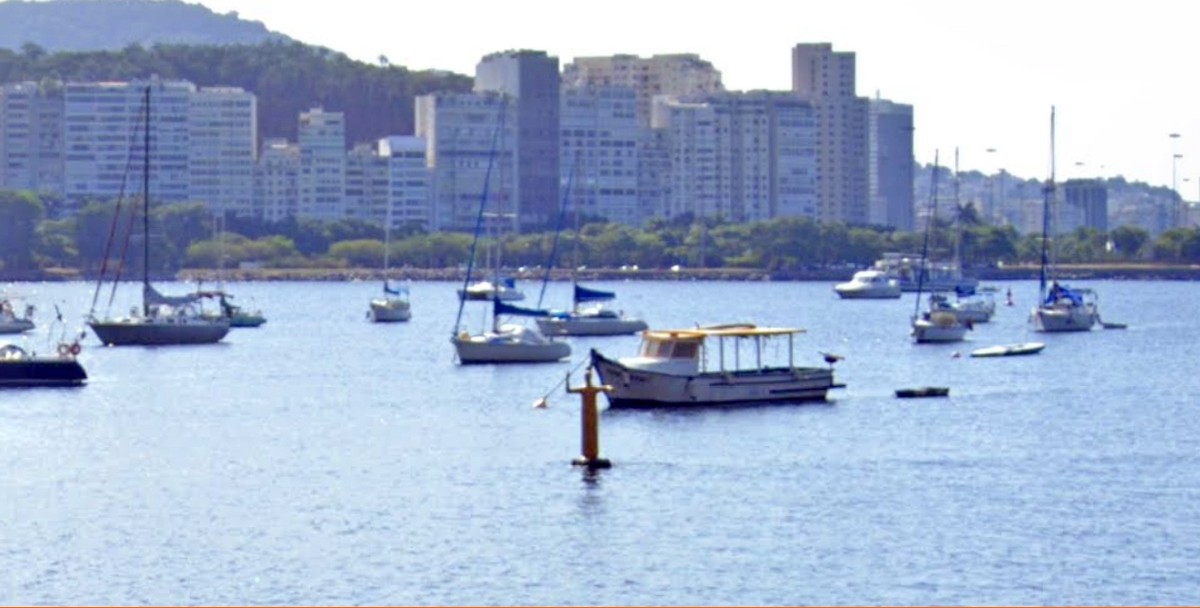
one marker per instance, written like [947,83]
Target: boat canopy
[153,296]
[586,294]
[508,309]
[730,331]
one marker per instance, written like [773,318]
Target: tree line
[186,236]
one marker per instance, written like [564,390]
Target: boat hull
[940,328]
[475,351]
[852,293]
[635,388]
[15,326]
[390,311]
[1009,350]
[590,326]
[142,332]
[41,372]
[1063,319]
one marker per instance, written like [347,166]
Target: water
[322,459]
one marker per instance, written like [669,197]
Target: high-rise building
[321,184]
[1087,202]
[276,179]
[680,75]
[469,141]
[407,186]
[366,184]
[891,164]
[223,133]
[741,156]
[103,139]
[31,137]
[827,80]
[530,80]
[600,156]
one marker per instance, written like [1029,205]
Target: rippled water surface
[321,459]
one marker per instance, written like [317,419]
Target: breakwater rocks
[1133,272]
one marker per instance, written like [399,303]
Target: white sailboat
[588,316]
[394,306]
[933,325]
[10,321]
[1060,308]
[161,320]
[503,342]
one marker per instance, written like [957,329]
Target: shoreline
[1069,272]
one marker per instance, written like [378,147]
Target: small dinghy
[924,391]
[1009,350]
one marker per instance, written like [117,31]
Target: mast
[487,176]
[928,228]
[146,208]
[1047,193]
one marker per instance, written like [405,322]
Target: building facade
[321,184]
[892,164]
[222,134]
[679,75]
[600,153]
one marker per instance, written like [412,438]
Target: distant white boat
[969,308]
[505,291]
[589,317]
[869,285]
[10,322]
[1009,350]
[934,325]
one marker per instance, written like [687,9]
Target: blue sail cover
[509,309]
[584,294]
[394,291]
[1058,291]
[963,291]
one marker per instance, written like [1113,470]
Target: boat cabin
[687,351]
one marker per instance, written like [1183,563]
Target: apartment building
[679,75]
[891,164]
[826,79]
[31,153]
[321,184]
[222,133]
[276,181]
[600,153]
[530,80]
[408,201]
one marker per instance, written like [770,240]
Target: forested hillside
[287,77]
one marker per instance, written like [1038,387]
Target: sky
[981,75]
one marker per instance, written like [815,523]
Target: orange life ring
[63,349]
[75,349]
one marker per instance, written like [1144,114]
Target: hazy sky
[979,74]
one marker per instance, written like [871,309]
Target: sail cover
[509,309]
[394,291]
[584,294]
[152,296]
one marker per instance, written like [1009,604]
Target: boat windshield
[671,349]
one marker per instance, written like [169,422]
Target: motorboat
[869,285]
[21,369]
[11,322]
[590,317]
[504,290]
[967,307]
[672,369]
[907,268]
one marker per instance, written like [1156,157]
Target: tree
[1128,241]
[20,213]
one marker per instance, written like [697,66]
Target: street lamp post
[993,199]
[1175,156]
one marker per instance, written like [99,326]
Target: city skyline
[981,80]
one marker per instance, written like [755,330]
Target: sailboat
[1060,308]
[934,325]
[238,316]
[504,342]
[10,321]
[969,304]
[588,315]
[394,305]
[161,320]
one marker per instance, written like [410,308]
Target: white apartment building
[104,139]
[599,153]
[407,182]
[827,80]
[366,184]
[466,148]
[222,129]
[321,184]
[673,74]
[691,142]
[277,173]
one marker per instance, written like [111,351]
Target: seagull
[831,358]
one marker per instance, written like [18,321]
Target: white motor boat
[671,369]
[869,284]
[10,323]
